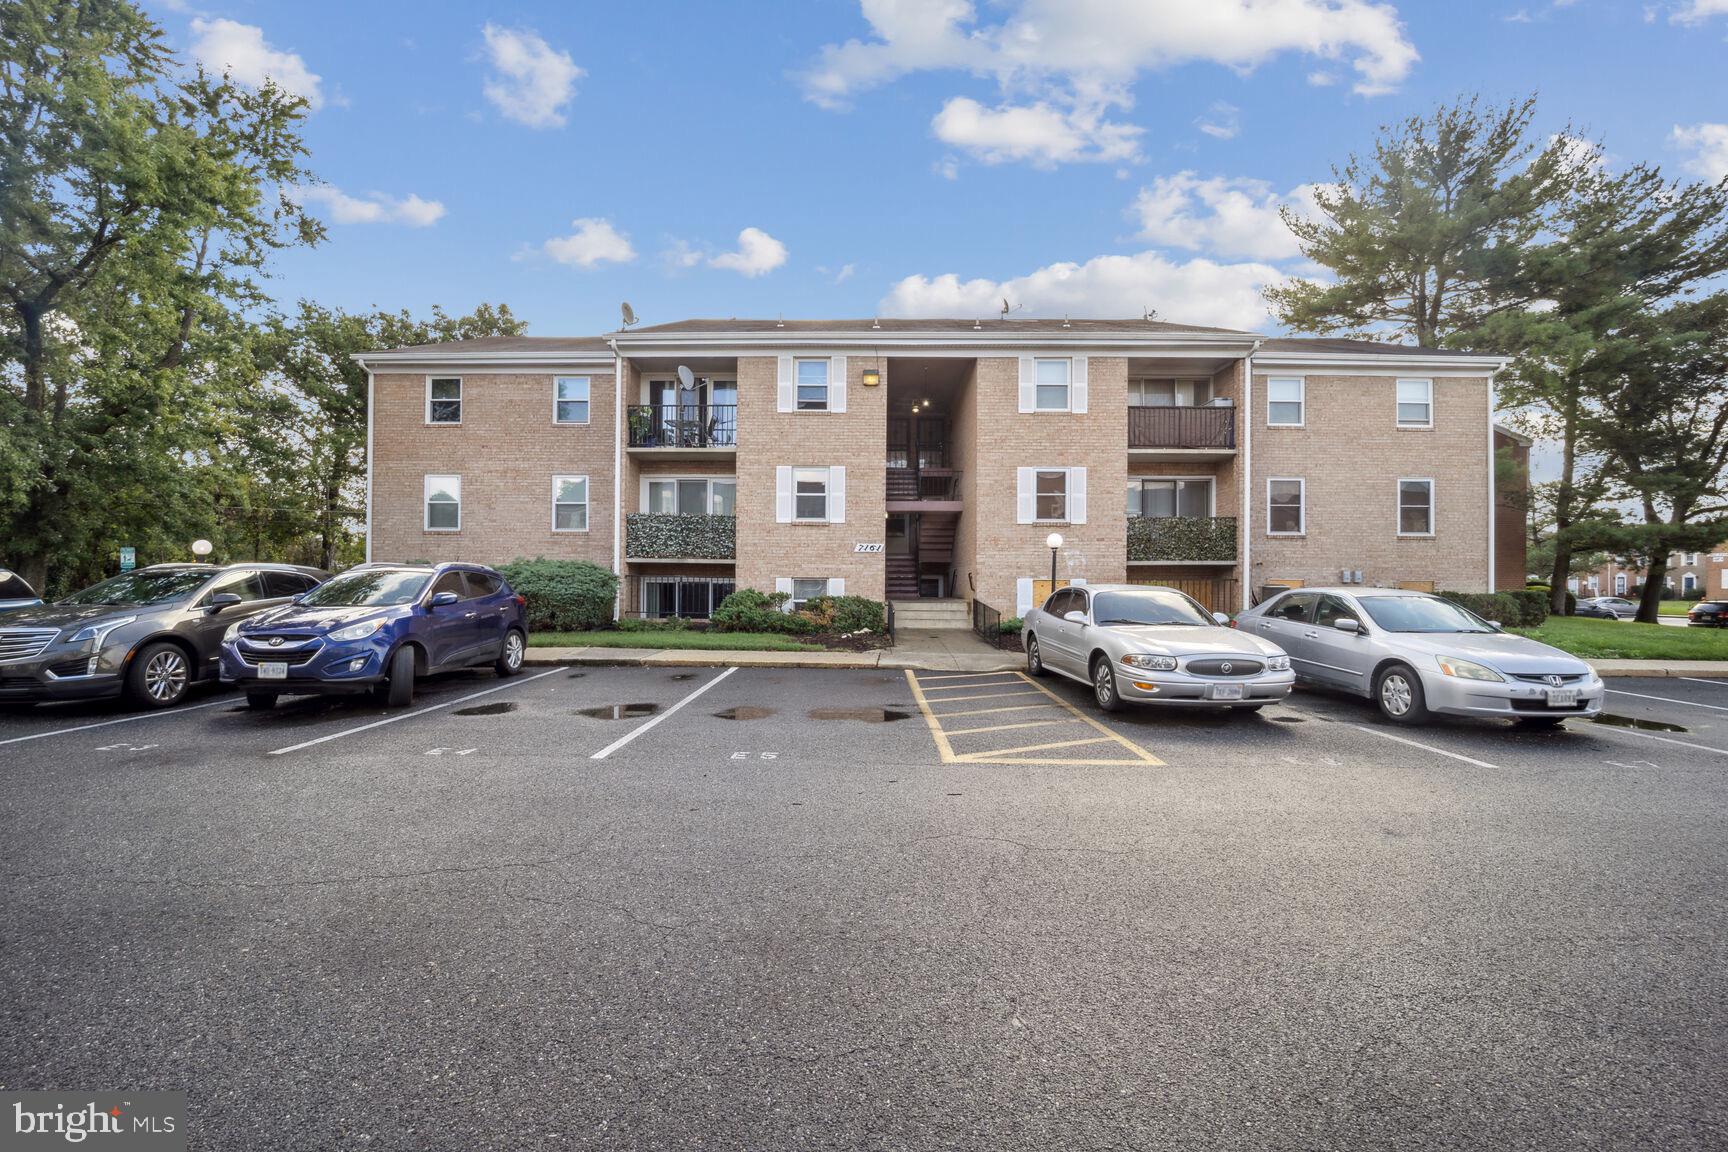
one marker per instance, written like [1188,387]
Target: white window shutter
[784,584]
[1076,495]
[1028,392]
[1024,491]
[787,401]
[836,586]
[837,384]
[837,495]
[1022,596]
[1077,394]
[783,494]
[643,506]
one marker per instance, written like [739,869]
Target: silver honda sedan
[1414,654]
[1140,644]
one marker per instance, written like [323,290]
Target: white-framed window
[1169,496]
[1286,402]
[1286,506]
[1416,507]
[812,383]
[806,589]
[1620,582]
[1691,559]
[1415,403]
[1050,495]
[570,399]
[810,494]
[1051,378]
[1169,393]
[569,503]
[443,500]
[443,399]
[690,495]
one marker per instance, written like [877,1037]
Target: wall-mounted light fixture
[872,377]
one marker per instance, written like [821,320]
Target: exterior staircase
[936,538]
[929,615]
[902,572]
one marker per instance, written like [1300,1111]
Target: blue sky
[1092,157]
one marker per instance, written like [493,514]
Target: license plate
[1562,697]
[1226,692]
[273,670]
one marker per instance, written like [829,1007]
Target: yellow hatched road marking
[1028,686]
[1005,727]
[1039,747]
[979,696]
[965,676]
[942,746]
[987,711]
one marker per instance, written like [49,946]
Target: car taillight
[521,601]
[1232,621]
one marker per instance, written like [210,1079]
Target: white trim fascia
[959,336]
[1398,509]
[618,438]
[1320,364]
[371,409]
[379,360]
[1245,530]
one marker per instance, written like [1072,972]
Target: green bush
[748,610]
[563,595]
[660,624]
[1525,608]
[1010,626]
[847,614]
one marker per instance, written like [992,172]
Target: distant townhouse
[934,459]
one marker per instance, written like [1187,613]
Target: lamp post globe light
[201,548]
[1054,543]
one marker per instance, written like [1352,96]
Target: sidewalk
[933,651]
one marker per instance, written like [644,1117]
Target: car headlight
[1156,663]
[358,631]
[1278,663]
[1467,669]
[233,632]
[99,632]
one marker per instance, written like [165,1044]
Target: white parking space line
[1669,700]
[416,712]
[1702,680]
[637,731]
[1425,747]
[118,720]
[1661,739]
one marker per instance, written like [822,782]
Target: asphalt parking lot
[651,908]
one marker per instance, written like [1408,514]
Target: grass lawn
[1624,640]
[706,641]
[1674,607]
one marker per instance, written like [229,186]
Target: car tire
[1398,693]
[160,675]
[1034,658]
[1104,686]
[261,701]
[400,692]
[515,650]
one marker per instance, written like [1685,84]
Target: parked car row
[272,629]
[1413,654]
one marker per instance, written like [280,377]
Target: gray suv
[148,634]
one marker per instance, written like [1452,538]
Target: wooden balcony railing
[1167,427]
[683,425]
[1181,538]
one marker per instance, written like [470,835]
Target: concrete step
[932,614]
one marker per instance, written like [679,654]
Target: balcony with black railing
[1181,539]
[1211,428]
[690,427]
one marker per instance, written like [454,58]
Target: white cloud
[758,254]
[1220,215]
[1196,291]
[1580,154]
[595,241]
[533,81]
[1698,11]
[1038,133]
[241,51]
[1708,144]
[1222,121]
[373,208]
[836,275]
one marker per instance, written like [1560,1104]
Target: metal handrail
[682,425]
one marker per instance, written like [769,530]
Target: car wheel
[401,690]
[1398,692]
[159,676]
[260,701]
[510,660]
[1034,658]
[1104,686]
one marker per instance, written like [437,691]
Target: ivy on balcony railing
[662,536]
[1181,538]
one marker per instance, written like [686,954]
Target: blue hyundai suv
[375,628]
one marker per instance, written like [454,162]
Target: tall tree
[1424,238]
[136,206]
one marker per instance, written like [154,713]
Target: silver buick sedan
[1414,654]
[1138,644]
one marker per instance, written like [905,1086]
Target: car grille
[292,659]
[1226,666]
[23,643]
[1542,677]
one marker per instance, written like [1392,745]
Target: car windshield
[1148,607]
[1421,614]
[375,587]
[143,587]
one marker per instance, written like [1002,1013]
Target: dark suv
[148,634]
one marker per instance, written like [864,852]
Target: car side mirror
[1347,624]
[1220,618]
[442,599]
[220,602]
[1496,625]
[1075,617]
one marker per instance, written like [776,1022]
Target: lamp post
[200,549]
[1054,543]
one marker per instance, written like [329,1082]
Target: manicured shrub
[847,614]
[1010,626]
[659,624]
[748,610]
[563,595]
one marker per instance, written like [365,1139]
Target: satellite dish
[629,314]
[686,377]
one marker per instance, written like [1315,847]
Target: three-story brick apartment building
[920,459]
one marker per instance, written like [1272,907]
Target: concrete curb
[1701,669]
[700,658]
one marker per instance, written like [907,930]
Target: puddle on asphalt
[619,711]
[744,712]
[1633,722]
[868,715]
[575,675]
[497,709]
